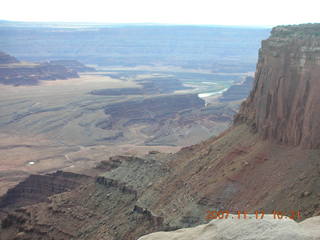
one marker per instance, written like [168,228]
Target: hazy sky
[221,12]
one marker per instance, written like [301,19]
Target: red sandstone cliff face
[285,102]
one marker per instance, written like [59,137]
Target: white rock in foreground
[245,229]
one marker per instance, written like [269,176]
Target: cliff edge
[284,103]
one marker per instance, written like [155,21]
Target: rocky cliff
[284,103]
[240,170]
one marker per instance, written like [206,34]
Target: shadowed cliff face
[284,103]
[37,188]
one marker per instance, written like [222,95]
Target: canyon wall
[284,103]
[37,188]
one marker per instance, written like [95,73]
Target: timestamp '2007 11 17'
[296,215]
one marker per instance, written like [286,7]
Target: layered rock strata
[284,103]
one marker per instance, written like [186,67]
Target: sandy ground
[26,144]
[22,155]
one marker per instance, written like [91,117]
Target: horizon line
[138,23]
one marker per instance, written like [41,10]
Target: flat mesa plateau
[65,124]
[49,127]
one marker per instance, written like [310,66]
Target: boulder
[245,229]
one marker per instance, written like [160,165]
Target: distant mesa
[118,91]
[73,65]
[169,120]
[13,72]
[7,59]
[136,45]
[156,85]
[152,109]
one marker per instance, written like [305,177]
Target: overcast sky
[219,12]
